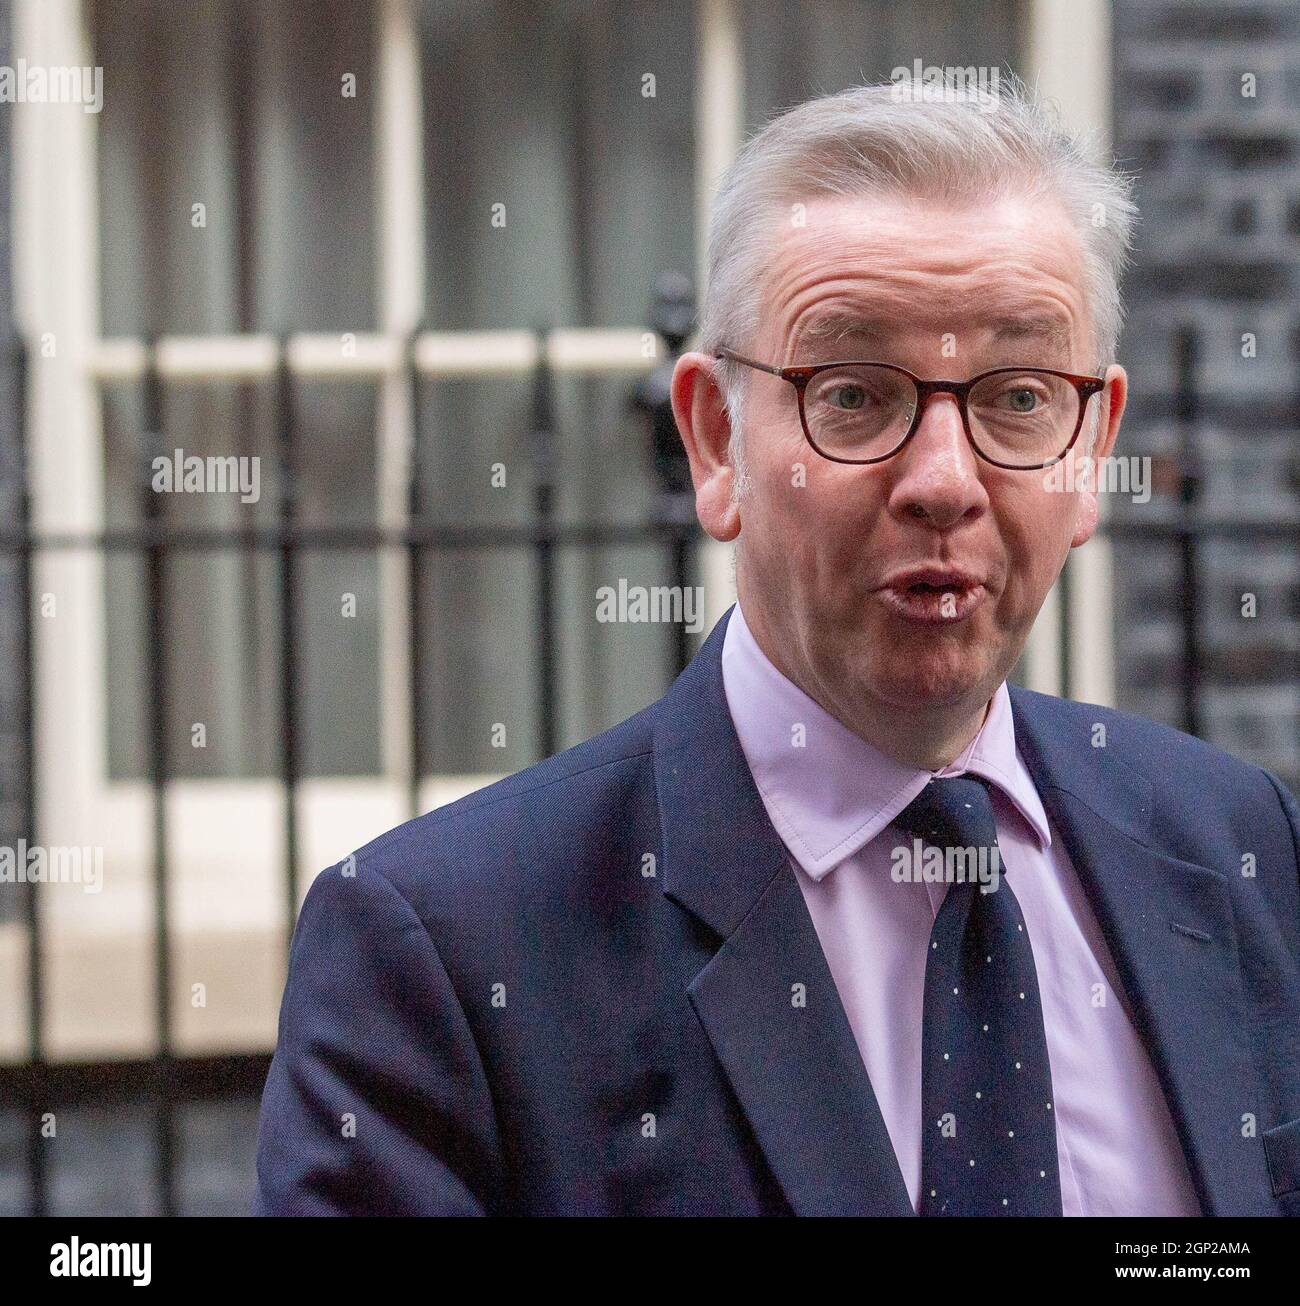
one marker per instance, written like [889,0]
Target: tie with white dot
[988,1141]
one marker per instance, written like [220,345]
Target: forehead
[864,266]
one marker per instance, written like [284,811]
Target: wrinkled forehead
[859,272]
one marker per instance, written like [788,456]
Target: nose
[937,474]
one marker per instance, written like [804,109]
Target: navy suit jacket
[571,992]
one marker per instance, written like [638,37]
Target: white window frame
[1067,55]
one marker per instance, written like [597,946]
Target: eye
[1019,397]
[849,398]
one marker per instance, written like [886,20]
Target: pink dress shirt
[829,798]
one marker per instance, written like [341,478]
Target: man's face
[824,551]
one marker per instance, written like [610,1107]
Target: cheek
[794,472]
[840,519]
[1036,527]
[775,513]
[808,530]
[791,492]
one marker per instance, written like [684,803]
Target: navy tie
[988,1142]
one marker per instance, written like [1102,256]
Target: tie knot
[955,812]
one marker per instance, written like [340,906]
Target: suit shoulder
[1160,752]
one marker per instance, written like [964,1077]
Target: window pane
[577,119]
[239,108]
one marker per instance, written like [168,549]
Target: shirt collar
[827,791]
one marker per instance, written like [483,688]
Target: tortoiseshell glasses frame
[800,376]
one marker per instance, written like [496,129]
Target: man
[843,923]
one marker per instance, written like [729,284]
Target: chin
[934,678]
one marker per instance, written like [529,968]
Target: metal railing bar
[100,1083]
[416,685]
[37,1102]
[1186,365]
[542,448]
[521,536]
[450,538]
[286,510]
[157,712]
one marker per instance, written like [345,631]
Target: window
[356,230]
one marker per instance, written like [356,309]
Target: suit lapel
[1170,929]
[766,999]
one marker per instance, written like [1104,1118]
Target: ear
[1111,401]
[705,428]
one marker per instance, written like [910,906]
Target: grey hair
[869,140]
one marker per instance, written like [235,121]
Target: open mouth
[933,600]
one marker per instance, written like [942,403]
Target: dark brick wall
[1218,251]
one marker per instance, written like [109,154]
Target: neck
[927,744]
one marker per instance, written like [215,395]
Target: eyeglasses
[1019,418]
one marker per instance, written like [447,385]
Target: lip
[933,595]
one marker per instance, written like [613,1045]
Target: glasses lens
[858,411]
[1023,418]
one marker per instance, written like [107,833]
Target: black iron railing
[168,1078]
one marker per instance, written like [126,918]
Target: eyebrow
[836,325]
